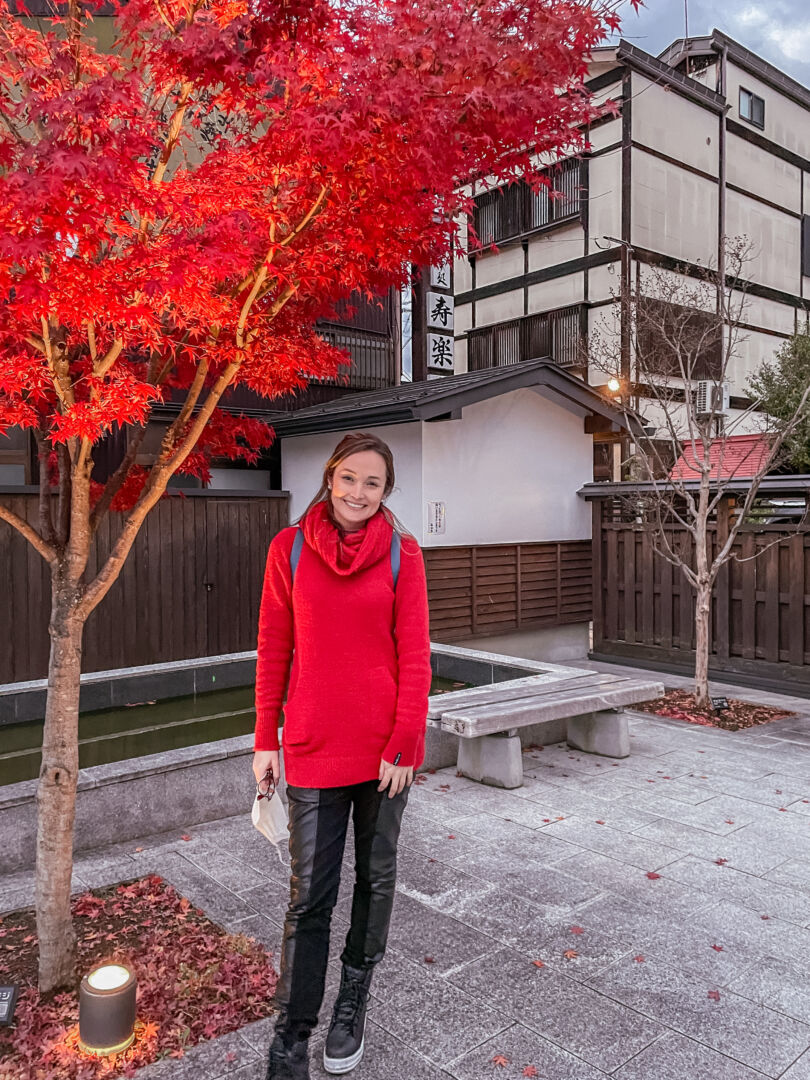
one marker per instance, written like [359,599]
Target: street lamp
[107,1010]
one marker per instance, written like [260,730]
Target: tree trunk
[703,607]
[56,793]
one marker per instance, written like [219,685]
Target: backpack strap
[396,555]
[295,554]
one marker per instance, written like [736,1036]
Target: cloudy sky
[778,30]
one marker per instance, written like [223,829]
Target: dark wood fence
[644,607]
[190,587]
[494,588]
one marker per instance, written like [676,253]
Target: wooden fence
[494,588]
[644,607]
[190,587]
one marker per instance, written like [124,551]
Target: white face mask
[270,817]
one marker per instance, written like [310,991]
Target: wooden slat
[770,643]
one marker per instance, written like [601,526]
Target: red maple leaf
[185,836]
[714,995]
[570,954]
[530,1071]
[429,960]
[577,930]
[717,948]
[651,874]
[500,1060]
[729,822]
[600,822]
[538,963]
[721,862]
[639,959]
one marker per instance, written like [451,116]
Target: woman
[349,594]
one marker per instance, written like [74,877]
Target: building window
[752,108]
[553,335]
[806,245]
[676,341]
[507,212]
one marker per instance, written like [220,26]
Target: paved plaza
[647,919]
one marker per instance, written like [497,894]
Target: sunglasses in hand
[266,787]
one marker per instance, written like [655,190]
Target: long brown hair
[356,443]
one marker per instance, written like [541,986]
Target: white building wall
[496,309]
[673,211]
[303,459]
[509,471]
[492,266]
[675,126]
[776,242]
[763,173]
[556,246]
[786,123]
[605,203]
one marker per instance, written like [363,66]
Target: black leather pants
[319,818]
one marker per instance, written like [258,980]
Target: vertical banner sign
[433,310]
[435,523]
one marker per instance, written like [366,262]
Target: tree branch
[46,550]
[161,473]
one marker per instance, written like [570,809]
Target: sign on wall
[440,276]
[435,521]
[440,311]
[432,341]
[439,352]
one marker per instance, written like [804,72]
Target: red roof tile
[737,456]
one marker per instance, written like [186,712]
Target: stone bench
[487,719]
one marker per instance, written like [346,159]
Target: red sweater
[360,675]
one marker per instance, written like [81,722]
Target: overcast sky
[778,30]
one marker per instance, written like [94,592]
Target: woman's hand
[264,760]
[394,777]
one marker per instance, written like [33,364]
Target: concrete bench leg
[604,733]
[492,759]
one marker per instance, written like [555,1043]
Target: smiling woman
[347,589]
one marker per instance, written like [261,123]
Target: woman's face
[358,484]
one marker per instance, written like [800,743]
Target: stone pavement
[666,898]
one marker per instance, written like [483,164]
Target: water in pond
[116,734]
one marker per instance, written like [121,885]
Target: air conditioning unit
[711,397]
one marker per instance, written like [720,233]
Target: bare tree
[672,368]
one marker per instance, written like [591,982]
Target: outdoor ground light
[107,1010]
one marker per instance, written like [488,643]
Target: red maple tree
[179,205]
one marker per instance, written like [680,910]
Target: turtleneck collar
[346,552]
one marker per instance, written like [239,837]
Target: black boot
[289,1057]
[344,1043]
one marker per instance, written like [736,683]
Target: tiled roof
[734,456]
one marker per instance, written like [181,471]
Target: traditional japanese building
[707,141]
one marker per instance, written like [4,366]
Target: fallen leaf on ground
[538,963]
[721,862]
[429,960]
[531,1071]
[499,1059]
[651,874]
[717,948]
[570,954]
[577,930]
[185,836]
[639,959]
[714,995]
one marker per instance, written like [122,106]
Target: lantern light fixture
[107,1010]
[614,386]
